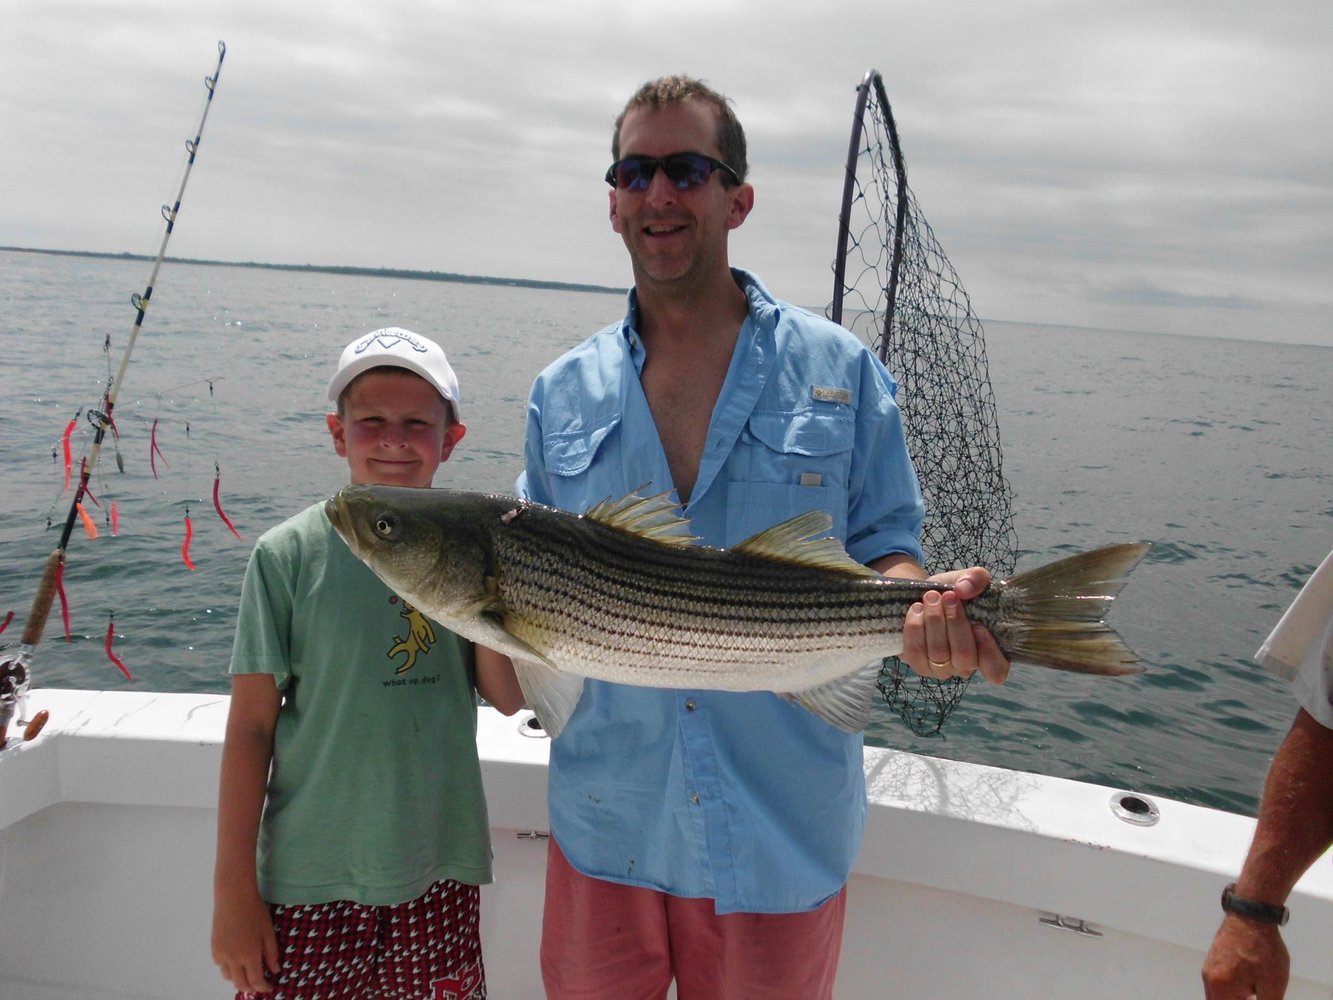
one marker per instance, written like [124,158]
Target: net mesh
[894,286]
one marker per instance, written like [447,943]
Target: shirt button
[695,798]
[689,705]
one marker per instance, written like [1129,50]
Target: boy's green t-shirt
[375,790]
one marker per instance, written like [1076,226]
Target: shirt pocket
[812,434]
[798,461]
[571,453]
[573,478]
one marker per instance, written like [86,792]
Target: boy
[352,732]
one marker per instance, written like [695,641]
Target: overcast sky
[1157,165]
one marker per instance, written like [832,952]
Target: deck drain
[1136,809]
[531,727]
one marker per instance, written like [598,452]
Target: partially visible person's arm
[496,681]
[1295,827]
[244,945]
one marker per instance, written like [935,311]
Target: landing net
[894,286]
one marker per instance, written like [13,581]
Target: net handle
[848,191]
[872,78]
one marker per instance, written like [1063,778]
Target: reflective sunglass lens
[683,170]
[686,170]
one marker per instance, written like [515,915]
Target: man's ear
[615,219]
[742,200]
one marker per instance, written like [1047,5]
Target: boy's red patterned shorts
[426,949]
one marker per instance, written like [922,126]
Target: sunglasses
[684,170]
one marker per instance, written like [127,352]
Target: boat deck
[973,881]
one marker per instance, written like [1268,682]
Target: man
[1248,957]
[699,835]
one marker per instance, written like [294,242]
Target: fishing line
[14,670]
[111,513]
[155,454]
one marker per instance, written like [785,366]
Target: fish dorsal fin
[791,541]
[657,517]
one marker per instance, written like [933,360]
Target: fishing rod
[103,419]
[14,674]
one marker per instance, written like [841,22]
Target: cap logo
[389,339]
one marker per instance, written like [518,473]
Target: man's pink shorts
[602,939]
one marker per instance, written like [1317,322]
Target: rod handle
[41,603]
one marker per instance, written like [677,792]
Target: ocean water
[1217,451]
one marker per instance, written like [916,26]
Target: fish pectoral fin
[791,541]
[553,695]
[846,702]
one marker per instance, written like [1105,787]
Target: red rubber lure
[5,624]
[217,505]
[69,463]
[185,547]
[115,519]
[64,601]
[110,634]
[83,467]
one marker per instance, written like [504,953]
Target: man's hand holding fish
[938,639]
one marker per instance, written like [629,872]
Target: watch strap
[1251,909]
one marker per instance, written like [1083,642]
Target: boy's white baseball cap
[397,348]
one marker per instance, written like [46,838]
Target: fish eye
[385,525]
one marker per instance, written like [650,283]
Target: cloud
[1065,153]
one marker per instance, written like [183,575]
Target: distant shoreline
[370,272]
[565,286]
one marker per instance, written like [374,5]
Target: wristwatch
[1250,909]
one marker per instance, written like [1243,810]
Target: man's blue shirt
[746,798]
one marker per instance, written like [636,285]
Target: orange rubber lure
[88,525]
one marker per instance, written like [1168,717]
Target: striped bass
[622,593]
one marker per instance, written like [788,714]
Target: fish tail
[1058,611]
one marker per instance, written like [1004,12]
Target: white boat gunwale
[1037,875]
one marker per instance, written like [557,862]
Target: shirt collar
[764,310]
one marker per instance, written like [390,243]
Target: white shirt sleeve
[1300,648]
